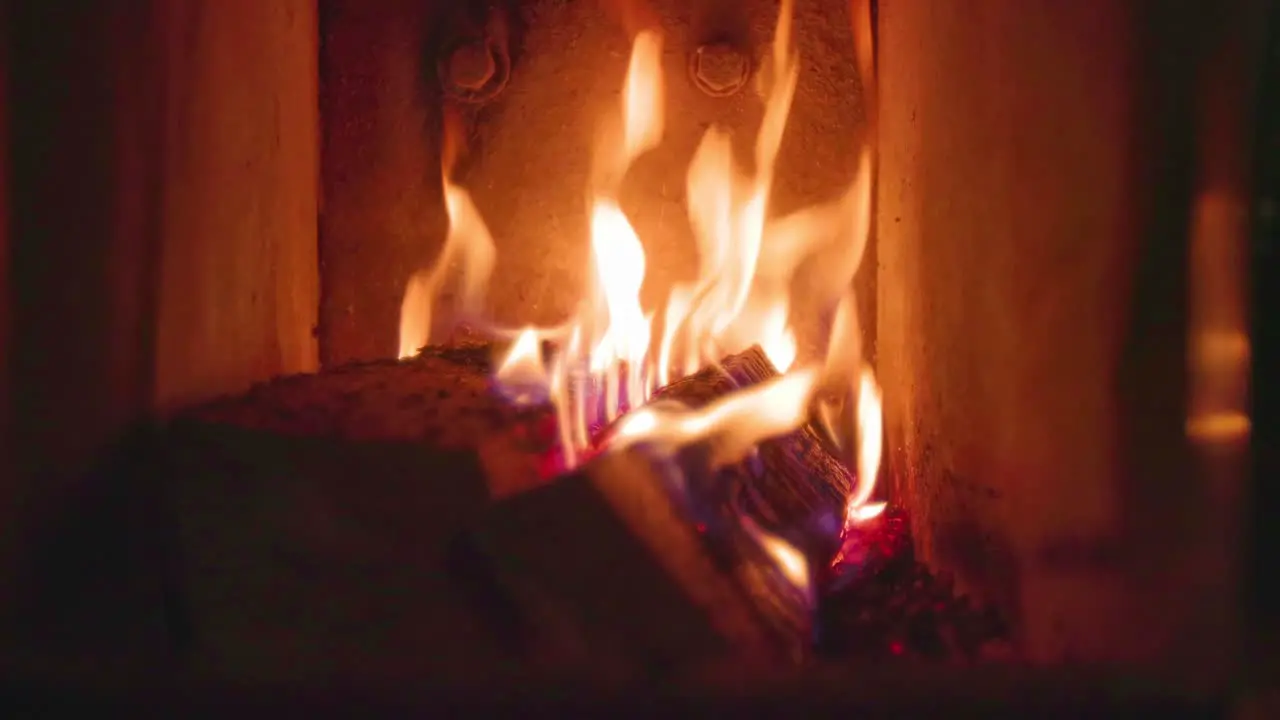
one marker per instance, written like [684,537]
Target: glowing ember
[606,359]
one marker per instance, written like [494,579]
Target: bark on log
[443,400]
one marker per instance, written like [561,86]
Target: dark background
[1263,590]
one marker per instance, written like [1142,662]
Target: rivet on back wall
[719,69]
[474,64]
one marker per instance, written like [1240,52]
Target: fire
[469,243]
[619,261]
[792,563]
[526,377]
[613,353]
[732,425]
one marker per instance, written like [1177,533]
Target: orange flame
[468,243]
[610,356]
[526,377]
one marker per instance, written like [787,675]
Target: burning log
[794,486]
[317,481]
[656,558]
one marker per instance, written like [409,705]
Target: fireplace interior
[566,349]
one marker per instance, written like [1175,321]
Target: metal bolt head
[470,67]
[719,69]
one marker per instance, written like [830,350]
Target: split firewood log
[309,518]
[652,561]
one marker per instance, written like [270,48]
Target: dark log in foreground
[312,517]
[443,400]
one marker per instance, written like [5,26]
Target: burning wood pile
[733,531]
[416,493]
[636,488]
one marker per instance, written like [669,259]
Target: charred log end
[795,487]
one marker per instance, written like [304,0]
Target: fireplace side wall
[1036,179]
[239,276]
[163,172]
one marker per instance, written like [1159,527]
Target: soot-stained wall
[529,150]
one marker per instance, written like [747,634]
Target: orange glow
[522,373]
[612,353]
[870,442]
[732,425]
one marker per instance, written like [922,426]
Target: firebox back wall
[529,151]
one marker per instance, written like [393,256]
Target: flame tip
[612,353]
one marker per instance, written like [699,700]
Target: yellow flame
[415,314]
[609,355]
[778,340]
[866,512]
[619,260]
[467,243]
[870,437]
[643,110]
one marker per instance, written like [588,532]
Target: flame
[790,561]
[870,445]
[612,353]
[525,380]
[619,262]
[643,108]
[469,244]
[732,425]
